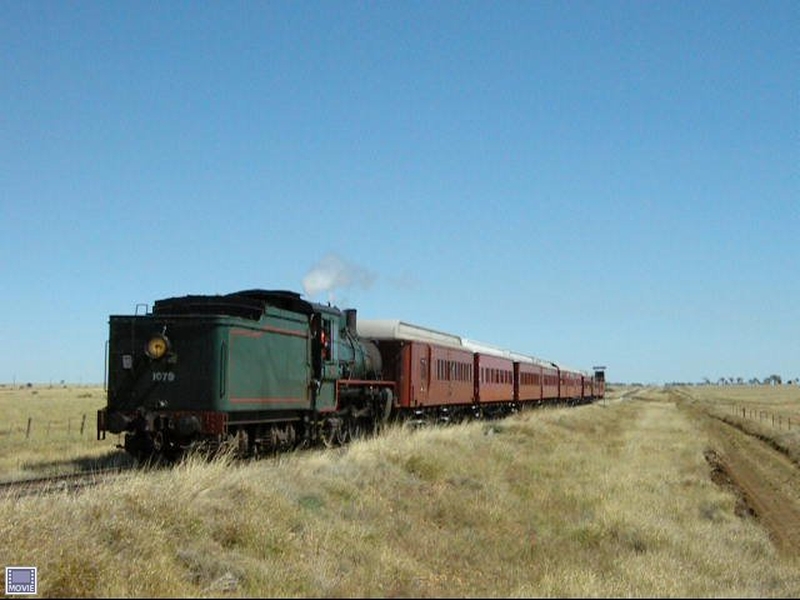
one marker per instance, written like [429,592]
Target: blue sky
[612,183]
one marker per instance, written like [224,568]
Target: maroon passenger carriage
[441,376]
[433,373]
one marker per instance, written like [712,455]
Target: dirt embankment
[767,480]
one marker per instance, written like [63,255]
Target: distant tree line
[768,380]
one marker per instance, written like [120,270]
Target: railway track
[70,483]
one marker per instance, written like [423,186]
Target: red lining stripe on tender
[268,401]
[259,332]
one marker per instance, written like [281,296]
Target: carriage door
[424,371]
[420,374]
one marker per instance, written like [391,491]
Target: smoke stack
[350,316]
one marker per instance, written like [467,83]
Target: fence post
[83,423]
[28,430]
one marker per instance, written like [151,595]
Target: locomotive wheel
[343,433]
[242,441]
[356,429]
[328,433]
[158,442]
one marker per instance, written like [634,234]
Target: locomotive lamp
[157,347]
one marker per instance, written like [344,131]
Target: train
[259,371]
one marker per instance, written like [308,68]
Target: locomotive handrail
[105,368]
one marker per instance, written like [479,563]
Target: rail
[71,482]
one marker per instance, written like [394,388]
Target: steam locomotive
[261,371]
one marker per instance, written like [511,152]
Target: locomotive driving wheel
[343,433]
[329,432]
[355,429]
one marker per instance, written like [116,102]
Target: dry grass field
[778,400]
[611,499]
[50,429]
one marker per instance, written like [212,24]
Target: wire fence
[77,427]
[780,421]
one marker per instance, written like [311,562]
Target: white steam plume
[334,272]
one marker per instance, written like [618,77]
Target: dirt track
[767,480]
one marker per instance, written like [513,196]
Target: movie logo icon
[21,580]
